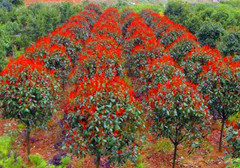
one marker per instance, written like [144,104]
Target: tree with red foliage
[102,120]
[180,47]
[39,48]
[91,17]
[72,36]
[111,13]
[126,19]
[139,44]
[178,111]
[196,58]
[57,59]
[94,7]
[108,25]
[172,33]
[102,55]
[220,83]
[27,93]
[159,70]
[151,18]
[102,52]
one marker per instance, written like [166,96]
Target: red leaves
[100,83]
[174,87]
[223,67]
[22,65]
[120,112]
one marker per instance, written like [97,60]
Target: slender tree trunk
[28,141]
[63,83]
[221,134]
[98,160]
[174,155]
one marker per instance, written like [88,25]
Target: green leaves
[103,120]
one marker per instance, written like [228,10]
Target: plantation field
[122,87]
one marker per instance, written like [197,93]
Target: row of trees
[179,85]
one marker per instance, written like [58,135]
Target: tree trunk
[221,135]
[98,160]
[63,83]
[174,155]
[28,141]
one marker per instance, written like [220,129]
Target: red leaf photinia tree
[28,92]
[177,111]
[196,58]
[102,119]
[220,84]
[159,70]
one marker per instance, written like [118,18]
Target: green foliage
[234,163]
[205,13]
[9,4]
[232,3]
[230,42]
[67,9]
[193,23]
[121,4]
[140,163]
[25,24]
[5,43]
[209,33]
[139,7]
[177,10]
[209,21]
[8,158]
[38,161]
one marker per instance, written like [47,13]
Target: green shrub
[177,11]
[209,33]
[230,43]
[67,9]
[220,15]
[193,23]
[206,13]
[232,3]
[9,4]
[4,16]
